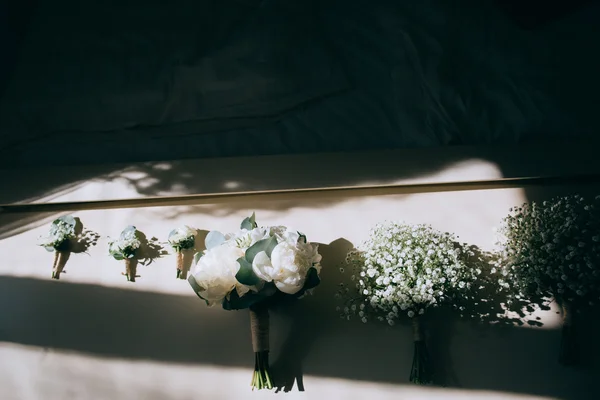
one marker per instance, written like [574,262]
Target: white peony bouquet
[401,270]
[253,268]
[183,241]
[58,239]
[125,248]
[552,249]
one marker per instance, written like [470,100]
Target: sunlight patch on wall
[460,171]
[325,217]
[194,177]
[338,223]
[472,215]
[163,166]
[231,185]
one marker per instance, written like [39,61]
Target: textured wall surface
[93,335]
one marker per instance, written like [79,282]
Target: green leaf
[249,223]
[195,286]
[246,275]
[50,249]
[302,236]
[266,245]
[118,256]
[312,279]
[187,243]
[269,289]
[236,302]
[62,246]
[246,224]
[214,239]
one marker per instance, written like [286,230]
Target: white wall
[93,335]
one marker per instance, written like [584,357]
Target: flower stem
[421,372]
[60,260]
[259,324]
[568,342]
[130,269]
[261,378]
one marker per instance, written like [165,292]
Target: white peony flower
[288,265]
[215,273]
[287,235]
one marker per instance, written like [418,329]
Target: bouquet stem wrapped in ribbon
[184,261]
[60,261]
[131,269]
[403,270]
[62,231]
[125,248]
[420,372]
[568,342]
[252,269]
[183,241]
[259,328]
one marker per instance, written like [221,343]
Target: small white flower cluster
[182,238]
[126,245]
[61,231]
[404,269]
[552,249]
[249,259]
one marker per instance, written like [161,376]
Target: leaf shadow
[84,238]
[150,249]
[490,304]
[487,306]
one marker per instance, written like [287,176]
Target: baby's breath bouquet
[62,231]
[125,248]
[251,269]
[183,240]
[401,270]
[552,249]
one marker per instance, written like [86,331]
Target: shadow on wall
[307,337]
[184,177]
[224,175]
[287,172]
